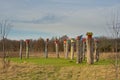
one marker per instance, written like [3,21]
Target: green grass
[58,61]
[48,61]
[103,62]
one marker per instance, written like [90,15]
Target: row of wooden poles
[87,46]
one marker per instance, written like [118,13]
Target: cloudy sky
[48,18]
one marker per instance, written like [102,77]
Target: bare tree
[115,31]
[5,27]
[116,28]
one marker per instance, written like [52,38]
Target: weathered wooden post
[64,45]
[78,50]
[72,48]
[46,48]
[96,52]
[89,42]
[20,53]
[83,47]
[57,47]
[27,48]
[67,49]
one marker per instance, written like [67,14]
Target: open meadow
[59,39]
[52,68]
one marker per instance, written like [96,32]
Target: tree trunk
[27,50]
[72,50]
[90,58]
[83,48]
[67,49]
[57,50]
[96,53]
[78,51]
[20,54]
[46,50]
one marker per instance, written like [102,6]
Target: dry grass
[29,71]
[109,55]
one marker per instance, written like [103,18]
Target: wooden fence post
[64,45]
[27,48]
[78,50]
[46,48]
[72,48]
[57,47]
[96,52]
[89,42]
[20,53]
[67,49]
[83,47]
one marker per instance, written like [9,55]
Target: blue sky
[48,18]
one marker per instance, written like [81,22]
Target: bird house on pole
[57,47]
[72,47]
[89,43]
[65,46]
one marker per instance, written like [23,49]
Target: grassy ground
[58,69]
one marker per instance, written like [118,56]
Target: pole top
[84,39]
[89,35]
[56,41]
[72,40]
[21,40]
[78,38]
[47,39]
[65,41]
[27,40]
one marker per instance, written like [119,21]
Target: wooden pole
[72,48]
[89,42]
[78,50]
[46,48]
[96,52]
[83,47]
[64,45]
[57,47]
[27,48]
[67,49]
[20,54]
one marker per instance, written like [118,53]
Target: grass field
[36,68]
[58,62]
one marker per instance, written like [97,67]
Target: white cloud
[59,17]
[74,23]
